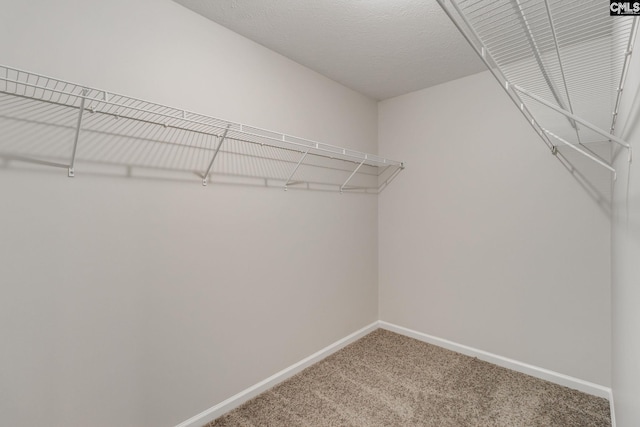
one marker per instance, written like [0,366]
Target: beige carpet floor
[386,379]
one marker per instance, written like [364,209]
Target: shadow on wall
[37,132]
[595,180]
[631,132]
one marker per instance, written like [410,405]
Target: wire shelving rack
[562,62]
[55,123]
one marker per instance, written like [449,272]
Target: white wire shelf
[56,123]
[562,62]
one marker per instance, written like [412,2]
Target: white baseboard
[545,374]
[525,368]
[251,392]
[612,409]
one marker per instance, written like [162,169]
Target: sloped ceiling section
[380,48]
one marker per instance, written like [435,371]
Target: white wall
[487,240]
[625,255]
[138,302]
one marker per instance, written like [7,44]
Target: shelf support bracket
[206,174]
[352,174]
[573,116]
[584,153]
[296,168]
[77,135]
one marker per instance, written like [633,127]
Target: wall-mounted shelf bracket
[77,134]
[295,169]
[352,174]
[215,154]
[566,113]
[583,152]
[585,123]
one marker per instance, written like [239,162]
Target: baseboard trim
[612,408]
[251,392]
[525,368]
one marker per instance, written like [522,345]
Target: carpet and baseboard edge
[525,368]
[234,401]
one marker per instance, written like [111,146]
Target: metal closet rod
[102,97]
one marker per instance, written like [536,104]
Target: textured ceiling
[381,48]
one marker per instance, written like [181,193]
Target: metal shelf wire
[562,62]
[54,122]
